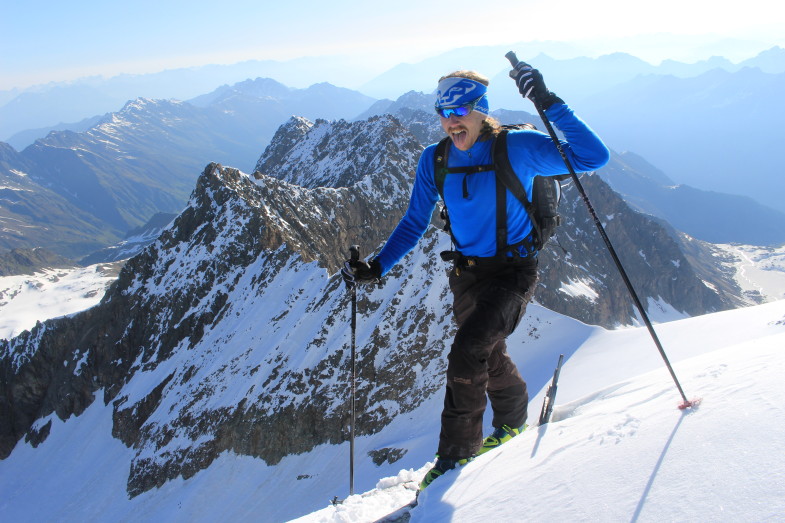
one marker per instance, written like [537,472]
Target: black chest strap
[441,170]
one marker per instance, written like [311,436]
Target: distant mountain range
[75,193]
[718,131]
[51,106]
[56,105]
[573,78]
[712,216]
[712,125]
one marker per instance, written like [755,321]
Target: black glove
[532,86]
[359,271]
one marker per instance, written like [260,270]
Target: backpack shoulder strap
[440,164]
[505,174]
[504,171]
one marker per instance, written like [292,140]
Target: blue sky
[43,41]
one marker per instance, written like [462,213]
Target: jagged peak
[296,122]
[284,139]
[340,153]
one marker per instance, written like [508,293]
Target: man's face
[463,130]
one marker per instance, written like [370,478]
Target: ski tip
[690,404]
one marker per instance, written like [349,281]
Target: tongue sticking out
[460,138]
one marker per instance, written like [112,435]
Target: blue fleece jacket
[473,218]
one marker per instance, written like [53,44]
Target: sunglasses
[457,110]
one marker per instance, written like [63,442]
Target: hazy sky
[52,40]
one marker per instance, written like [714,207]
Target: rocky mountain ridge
[245,249]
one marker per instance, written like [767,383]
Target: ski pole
[687,403]
[355,256]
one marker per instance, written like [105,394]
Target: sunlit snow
[617,449]
[50,293]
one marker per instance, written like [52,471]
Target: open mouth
[459,135]
[457,132]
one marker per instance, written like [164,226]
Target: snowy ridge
[226,332]
[256,314]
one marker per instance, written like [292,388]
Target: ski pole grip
[354,251]
[512,58]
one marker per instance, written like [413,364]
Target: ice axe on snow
[550,394]
[686,403]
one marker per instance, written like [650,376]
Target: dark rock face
[229,332]
[577,262]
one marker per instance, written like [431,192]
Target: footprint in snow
[622,429]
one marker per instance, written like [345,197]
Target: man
[491,284]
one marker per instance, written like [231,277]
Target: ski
[550,394]
[402,515]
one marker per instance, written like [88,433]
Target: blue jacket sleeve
[583,148]
[415,222]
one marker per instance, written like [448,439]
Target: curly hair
[471,75]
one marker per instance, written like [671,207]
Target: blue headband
[455,91]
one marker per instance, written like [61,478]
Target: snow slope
[617,449]
[51,293]
[622,450]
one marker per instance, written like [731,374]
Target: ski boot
[441,466]
[501,435]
